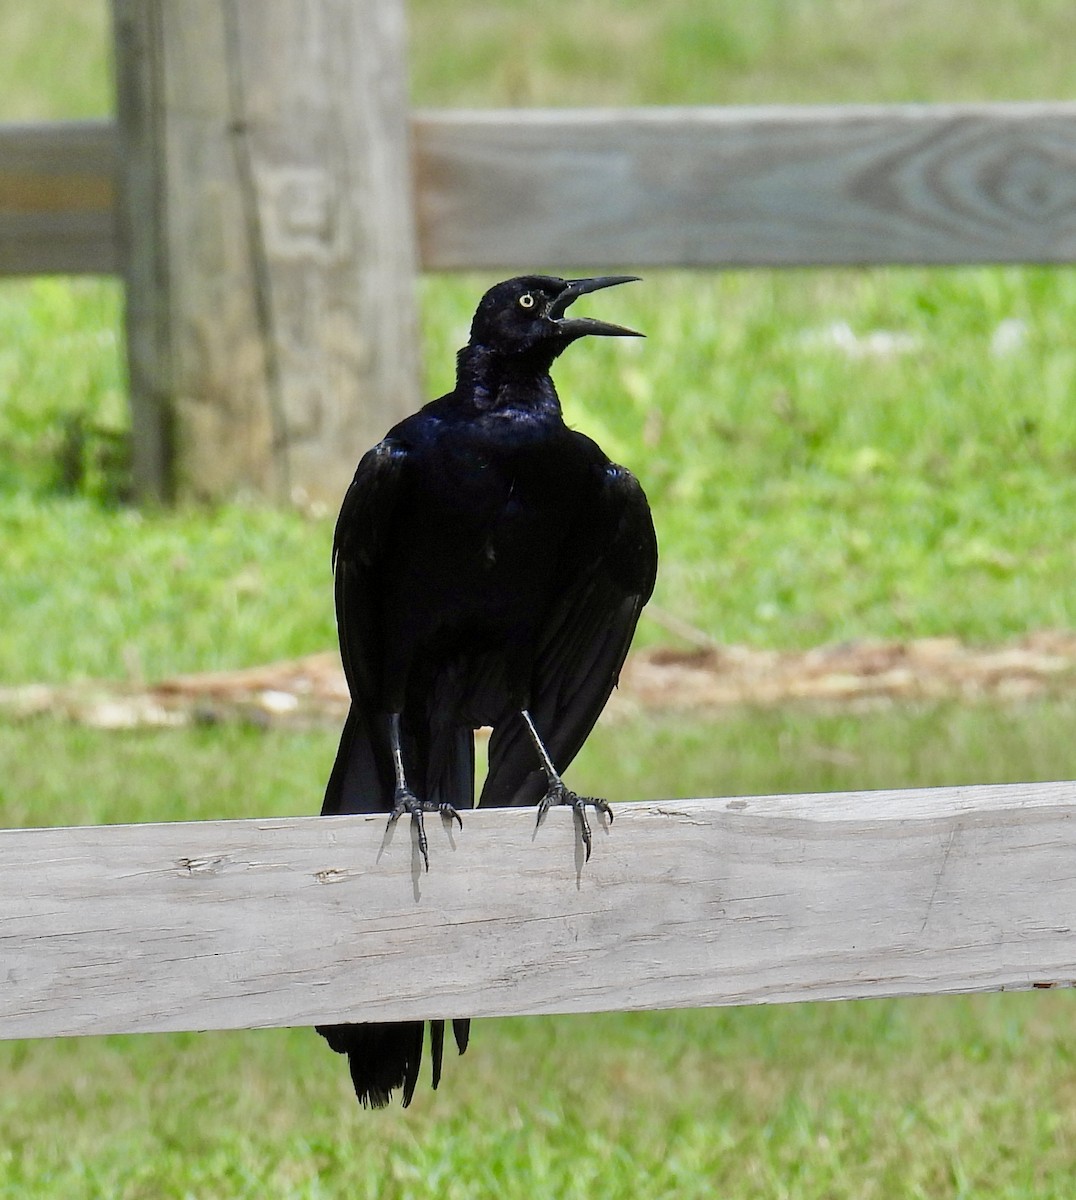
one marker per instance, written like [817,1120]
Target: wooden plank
[142,255]
[695,187]
[56,198]
[684,903]
[264,150]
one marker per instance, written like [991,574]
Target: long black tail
[386,1056]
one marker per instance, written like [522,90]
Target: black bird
[490,567]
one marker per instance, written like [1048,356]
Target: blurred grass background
[803,493]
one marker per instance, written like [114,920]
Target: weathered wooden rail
[928,184]
[241,924]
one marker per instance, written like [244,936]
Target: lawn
[830,455]
[801,495]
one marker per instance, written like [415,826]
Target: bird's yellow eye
[526,300]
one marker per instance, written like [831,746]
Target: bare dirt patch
[311,690]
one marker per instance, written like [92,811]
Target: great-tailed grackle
[490,567]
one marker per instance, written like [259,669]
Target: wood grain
[268,242]
[748,186]
[683,903]
[700,187]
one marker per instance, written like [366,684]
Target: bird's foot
[559,794]
[407,802]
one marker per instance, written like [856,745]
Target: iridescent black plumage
[490,568]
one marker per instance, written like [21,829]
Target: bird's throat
[496,381]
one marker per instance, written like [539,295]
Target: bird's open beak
[581,326]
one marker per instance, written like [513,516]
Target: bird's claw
[559,794]
[405,801]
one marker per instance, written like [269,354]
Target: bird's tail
[362,778]
[386,1056]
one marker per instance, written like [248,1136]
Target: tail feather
[386,1057]
[437,1049]
[361,778]
[382,1058]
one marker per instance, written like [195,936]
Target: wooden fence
[257,923]
[268,200]
[651,187]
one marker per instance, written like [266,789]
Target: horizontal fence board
[234,924]
[748,186]
[57,198]
[659,187]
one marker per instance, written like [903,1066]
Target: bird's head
[526,316]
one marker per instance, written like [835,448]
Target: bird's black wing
[362,531]
[362,779]
[605,577]
[387,1056]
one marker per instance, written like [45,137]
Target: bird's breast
[485,527]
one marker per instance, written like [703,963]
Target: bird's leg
[405,800]
[557,793]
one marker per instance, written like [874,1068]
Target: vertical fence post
[266,240]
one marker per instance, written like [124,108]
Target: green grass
[55,774]
[63,401]
[800,495]
[56,57]
[863,1101]
[589,52]
[140,596]
[593,52]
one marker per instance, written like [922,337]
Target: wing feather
[362,779]
[609,569]
[362,530]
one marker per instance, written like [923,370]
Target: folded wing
[608,571]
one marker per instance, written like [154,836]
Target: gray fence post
[266,239]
